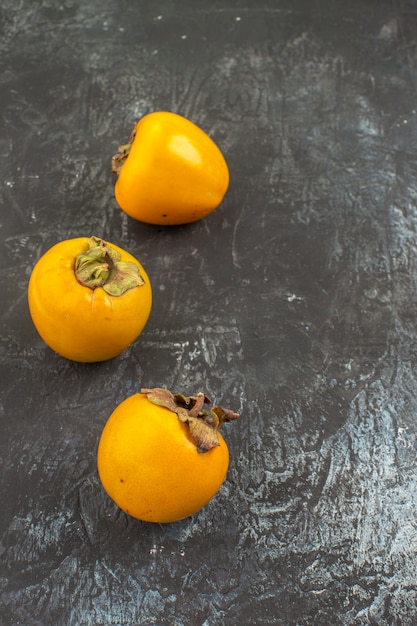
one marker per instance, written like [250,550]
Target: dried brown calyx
[203,424]
[121,155]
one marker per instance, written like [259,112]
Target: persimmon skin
[79,323]
[150,467]
[174,173]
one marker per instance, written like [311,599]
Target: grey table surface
[293,303]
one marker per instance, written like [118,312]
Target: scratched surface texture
[294,303]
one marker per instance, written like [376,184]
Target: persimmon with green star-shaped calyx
[88,299]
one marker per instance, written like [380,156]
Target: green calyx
[100,266]
[203,425]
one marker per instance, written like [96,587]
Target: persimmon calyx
[203,425]
[121,155]
[100,266]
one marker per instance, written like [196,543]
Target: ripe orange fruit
[170,172]
[162,464]
[88,299]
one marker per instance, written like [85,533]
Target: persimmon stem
[100,266]
[203,425]
[199,403]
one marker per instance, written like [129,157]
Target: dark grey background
[294,303]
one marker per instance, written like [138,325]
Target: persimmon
[88,299]
[160,457]
[170,172]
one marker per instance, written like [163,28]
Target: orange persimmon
[160,457]
[89,300]
[171,172]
